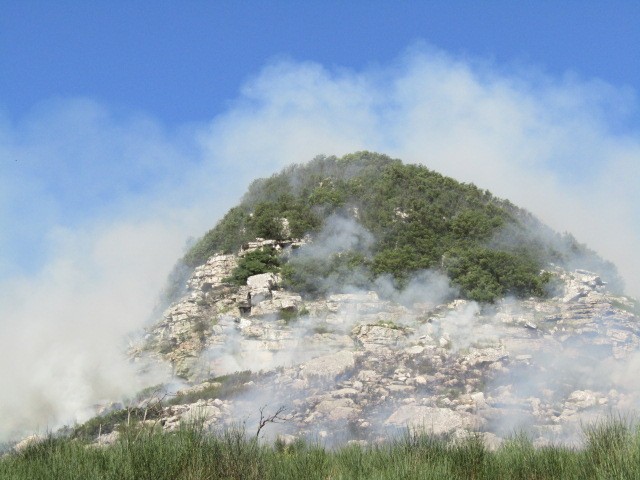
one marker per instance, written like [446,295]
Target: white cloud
[551,145]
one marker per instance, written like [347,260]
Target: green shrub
[315,276]
[290,315]
[263,260]
[484,274]
[222,387]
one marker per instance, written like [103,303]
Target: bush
[263,260]
[314,276]
[222,387]
[485,275]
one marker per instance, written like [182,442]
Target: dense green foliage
[487,274]
[315,276]
[418,219]
[258,261]
[611,451]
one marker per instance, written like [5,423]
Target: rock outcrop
[355,366]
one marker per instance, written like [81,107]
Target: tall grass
[611,451]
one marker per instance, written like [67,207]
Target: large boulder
[372,336]
[262,281]
[328,366]
[434,420]
[260,287]
[338,409]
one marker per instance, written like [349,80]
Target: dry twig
[275,418]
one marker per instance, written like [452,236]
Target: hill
[339,297]
[386,218]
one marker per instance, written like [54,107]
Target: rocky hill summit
[351,298]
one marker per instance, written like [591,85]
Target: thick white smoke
[104,203]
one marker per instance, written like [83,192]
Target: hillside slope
[379,217]
[354,366]
[364,296]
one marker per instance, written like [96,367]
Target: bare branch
[277,417]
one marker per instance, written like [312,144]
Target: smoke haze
[96,205]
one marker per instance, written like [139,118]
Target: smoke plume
[95,207]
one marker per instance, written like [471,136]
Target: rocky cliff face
[357,367]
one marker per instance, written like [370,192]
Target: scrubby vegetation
[259,261]
[417,218]
[149,405]
[611,450]
[633,306]
[222,387]
[105,424]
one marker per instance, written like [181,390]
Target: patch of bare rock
[356,367]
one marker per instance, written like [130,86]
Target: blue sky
[184,61]
[128,127]
[159,68]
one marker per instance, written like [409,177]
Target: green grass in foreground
[612,451]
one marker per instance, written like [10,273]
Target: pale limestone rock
[338,409]
[580,284]
[415,350]
[420,380]
[374,335]
[433,420]
[244,323]
[394,363]
[286,439]
[256,245]
[281,246]
[328,366]
[259,296]
[254,331]
[211,275]
[264,308]
[274,305]
[486,356]
[399,213]
[198,388]
[354,298]
[621,336]
[200,412]
[478,399]
[262,281]
[582,399]
[368,376]
[284,300]
[394,388]
[344,392]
